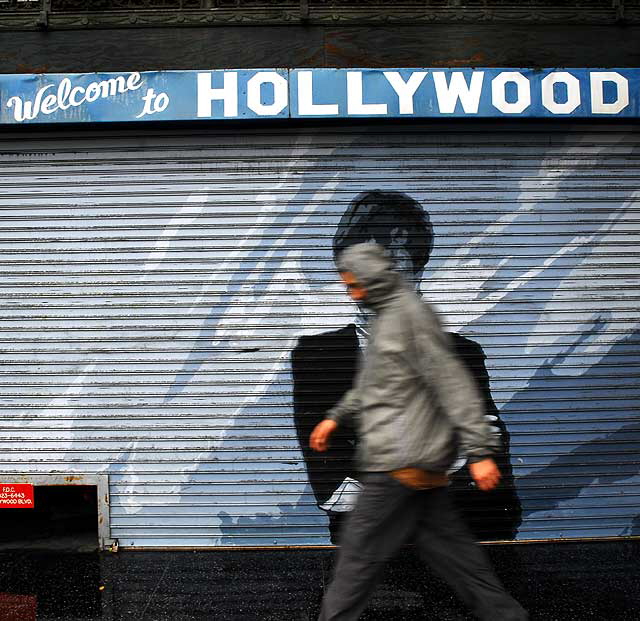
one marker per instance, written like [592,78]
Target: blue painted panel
[458,93]
[147,96]
[319,93]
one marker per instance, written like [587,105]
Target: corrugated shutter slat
[156,284]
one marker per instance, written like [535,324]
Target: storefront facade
[173,323]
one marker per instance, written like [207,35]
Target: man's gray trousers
[386,515]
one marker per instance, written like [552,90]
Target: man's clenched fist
[485,473]
[319,440]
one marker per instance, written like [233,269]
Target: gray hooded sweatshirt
[414,403]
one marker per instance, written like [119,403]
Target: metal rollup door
[171,316]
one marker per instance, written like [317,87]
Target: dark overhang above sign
[60,14]
[319,93]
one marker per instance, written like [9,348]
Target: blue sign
[319,93]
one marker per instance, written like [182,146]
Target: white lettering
[49,104]
[38,101]
[499,92]
[548,92]
[148,98]
[306,107]
[92,92]
[153,103]
[161,103]
[458,89]
[20,113]
[112,86]
[134,81]
[405,90]
[63,93]
[72,97]
[66,97]
[598,106]
[227,94]
[280,93]
[355,103]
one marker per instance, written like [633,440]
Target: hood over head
[372,268]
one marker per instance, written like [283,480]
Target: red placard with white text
[16,496]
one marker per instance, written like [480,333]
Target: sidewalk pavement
[554,581]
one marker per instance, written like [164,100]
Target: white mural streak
[488,298]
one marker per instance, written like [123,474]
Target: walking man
[413,403]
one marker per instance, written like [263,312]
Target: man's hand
[485,473]
[319,440]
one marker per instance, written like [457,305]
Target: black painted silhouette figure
[323,368]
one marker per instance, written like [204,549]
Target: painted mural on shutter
[171,316]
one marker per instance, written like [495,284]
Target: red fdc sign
[16,496]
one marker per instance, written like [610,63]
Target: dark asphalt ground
[554,581]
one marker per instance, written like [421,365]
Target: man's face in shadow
[397,251]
